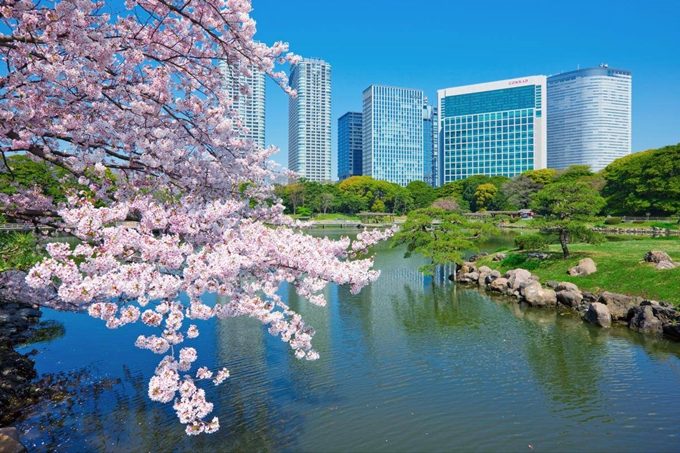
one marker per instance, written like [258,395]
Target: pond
[412,363]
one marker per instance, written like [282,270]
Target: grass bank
[620,267]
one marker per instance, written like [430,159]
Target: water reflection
[412,363]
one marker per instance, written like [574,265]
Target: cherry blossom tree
[133,106]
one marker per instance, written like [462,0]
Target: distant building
[495,128]
[309,120]
[430,141]
[393,134]
[350,137]
[589,117]
[251,106]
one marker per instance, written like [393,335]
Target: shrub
[612,221]
[517,260]
[304,211]
[532,242]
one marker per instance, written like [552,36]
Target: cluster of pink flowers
[175,199]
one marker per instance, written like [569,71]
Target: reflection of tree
[565,357]
[440,307]
[18,392]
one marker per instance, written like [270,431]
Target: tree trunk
[564,241]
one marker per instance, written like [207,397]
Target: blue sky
[435,44]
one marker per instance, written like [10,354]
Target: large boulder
[566,286]
[657,256]
[571,299]
[467,267]
[537,296]
[499,284]
[619,305]
[493,275]
[9,441]
[484,272]
[499,256]
[568,294]
[666,265]
[519,278]
[585,267]
[13,287]
[598,314]
[644,321]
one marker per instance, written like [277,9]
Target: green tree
[23,172]
[440,235]
[378,206]
[326,200]
[543,176]
[454,190]
[566,206]
[484,194]
[574,172]
[519,191]
[422,194]
[470,185]
[646,182]
[395,198]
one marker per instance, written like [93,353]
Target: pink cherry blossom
[173,200]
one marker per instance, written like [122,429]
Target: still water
[412,363]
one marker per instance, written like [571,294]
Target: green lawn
[620,267]
[642,224]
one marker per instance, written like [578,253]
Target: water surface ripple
[412,363]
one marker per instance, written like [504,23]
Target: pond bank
[603,309]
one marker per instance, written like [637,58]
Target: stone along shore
[603,309]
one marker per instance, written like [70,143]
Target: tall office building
[430,141]
[309,120]
[250,107]
[393,134]
[350,135]
[495,128]
[589,117]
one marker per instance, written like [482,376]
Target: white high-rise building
[589,117]
[251,106]
[309,120]
[393,134]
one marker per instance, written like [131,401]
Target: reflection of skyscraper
[589,117]
[250,106]
[309,120]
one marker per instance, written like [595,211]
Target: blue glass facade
[393,134]
[350,132]
[492,129]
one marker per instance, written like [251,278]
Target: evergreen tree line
[645,183]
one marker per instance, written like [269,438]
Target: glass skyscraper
[430,140]
[495,128]
[393,134]
[251,106]
[589,117]
[309,120]
[350,134]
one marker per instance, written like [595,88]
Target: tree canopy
[440,235]
[566,205]
[646,182]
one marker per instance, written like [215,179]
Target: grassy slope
[619,263]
